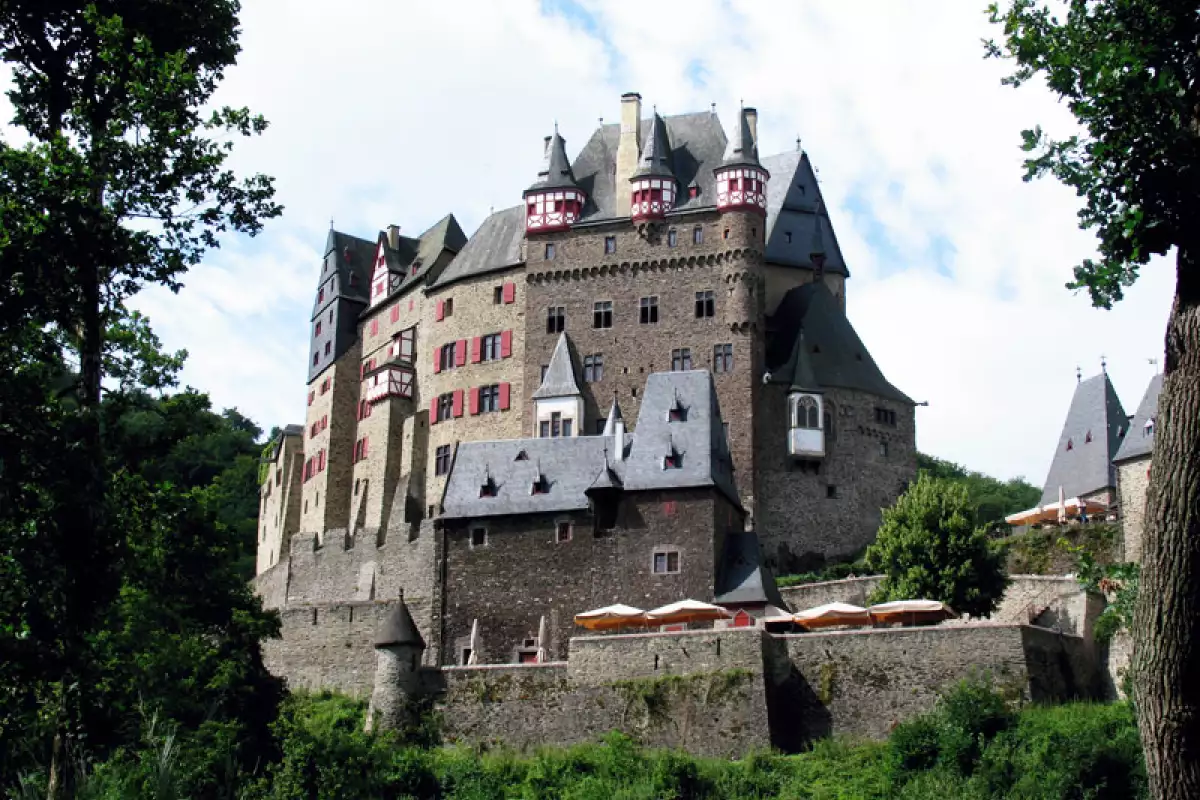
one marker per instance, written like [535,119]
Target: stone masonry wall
[1133,479]
[279,503]
[836,511]
[326,496]
[327,647]
[522,573]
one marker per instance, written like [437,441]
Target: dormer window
[1148,428]
[1070,444]
[677,412]
[673,459]
[1087,438]
[521,456]
[488,488]
[540,485]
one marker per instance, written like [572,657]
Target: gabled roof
[560,374]
[572,465]
[495,246]
[424,252]
[836,356]
[742,150]
[610,422]
[1139,439]
[795,212]
[655,158]
[742,578]
[398,628]
[1086,466]
[556,167]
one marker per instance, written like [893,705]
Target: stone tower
[398,651]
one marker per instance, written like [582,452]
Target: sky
[384,112]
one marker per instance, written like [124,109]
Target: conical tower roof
[556,168]
[655,159]
[797,371]
[398,628]
[614,414]
[1091,435]
[1139,439]
[560,374]
[741,150]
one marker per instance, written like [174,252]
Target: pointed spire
[398,628]
[556,170]
[614,414]
[560,374]
[742,149]
[655,158]
[797,371]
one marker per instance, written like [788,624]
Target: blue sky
[385,113]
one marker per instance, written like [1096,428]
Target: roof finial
[712,108]
[1078,374]
[1103,364]
[798,148]
[331,223]
[556,127]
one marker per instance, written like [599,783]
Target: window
[549,251]
[360,449]
[723,358]
[555,427]
[448,307]
[489,398]
[831,492]
[545,368]
[556,319]
[562,532]
[681,359]
[466,657]
[610,244]
[705,305]
[489,348]
[441,460]
[593,368]
[806,415]
[321,294]
[697,235]
[488,488]
[673,459]
[445,406]
[316,357]
[327,346]
[566,428]
[325,386]
[478,539]
[883,449]
[540,486]
[885,416]
[446,359]
[725,234]
[318,331]
[498,295]
[648,310]
[788,236]
[311,395]
[677,412]
[672,238]
[666,562]
[602,314]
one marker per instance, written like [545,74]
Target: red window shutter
[504,392]
[324,422]
[457,409]
[395,313]
[669,508]
[475,349]
[460,352]
[437,359]
[410,304]
[310,397]
[433,406]
[473,405]
[366,445]
[441,310]
[321,461]
[510,292]
[375,327]
[505,344]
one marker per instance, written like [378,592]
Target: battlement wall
[327,647]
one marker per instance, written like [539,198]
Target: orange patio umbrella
[611,617]
[910,612]
[831,615]
[685,611]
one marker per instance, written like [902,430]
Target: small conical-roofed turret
[398,628]
[806,406]
[741,178]
[399,647]
[558,403]
[614,416]
[653,183]
[554,201]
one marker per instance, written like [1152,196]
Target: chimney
[629,148]
[751,115]
[393,233]
[619,440]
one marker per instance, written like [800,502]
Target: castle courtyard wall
[1133,480]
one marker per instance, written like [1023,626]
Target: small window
[489,398]
[806,413]
[445,406]
[441,461]
[489,347]
[883,449]
[521,456]
[672,238]
[318,331]
[446,358]
[648,310]
[593,368]
[562,532]
[327,346]
[723,358]
[697,235]
[666,562]
[478,537]
[316,358]
[466,657]
[549,251]
[831,492]
[602,314]
[488,488]
[448,307]
[673,459]
[885,416]
[556,319]
[705,304]
[681,359]
[1070,444]
[498,295]
[610,245]
[545,369]
[540,486]
[787,235]
[725,234]
[1088,438]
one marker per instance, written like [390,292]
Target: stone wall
[836,511]
[848,590]
[326,495]
[1133,479]
[328,646]
[279,502]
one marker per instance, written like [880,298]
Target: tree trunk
[55,782]
[1167,620]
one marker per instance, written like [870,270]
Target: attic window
[414,268]
[522,456]
[693,191]
[540,485]
[677,412]
[1087,438]
[788,236]
[673,459]
[1148,428]
[488,488]
[1070,444]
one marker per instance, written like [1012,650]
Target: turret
[555,201]
[806,412]
[398,651]
[653,184]
[557,402]
[741,179]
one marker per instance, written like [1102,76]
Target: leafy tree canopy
[991,499]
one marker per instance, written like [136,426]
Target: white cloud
[384,112]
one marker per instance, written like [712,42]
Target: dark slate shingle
[742,578]
[1139,440]
[1087,466]
[795,209]
[495,246]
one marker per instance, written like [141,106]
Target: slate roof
[560,373]
[655,158]
[1139,441]
[614,414]
[556,168]
[795,206]
[572,465]
[742,149]
[495,246]
[836,356]
[424,251]
[742,578]
[398,628]
[345,255]
[1087,465]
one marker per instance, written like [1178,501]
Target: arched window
[806,413]
[830,431]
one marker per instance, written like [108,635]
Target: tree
[1129,71]
[991,500]
[929,549]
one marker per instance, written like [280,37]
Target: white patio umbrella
[474,643]
[831,614]
[686,611]
[911,611]
[541,653]
[614,616]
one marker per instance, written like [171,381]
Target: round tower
[652,186]
[398,651]
[555,201]
[742,202]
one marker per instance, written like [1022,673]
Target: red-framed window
[395,313]
[311,395]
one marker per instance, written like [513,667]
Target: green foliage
[1055,550]
[928,548]
[991,500]
[651,699]
[835,571]
[1119,584]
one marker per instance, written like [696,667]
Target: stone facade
[1133,481]
[329,447]
[279,499]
